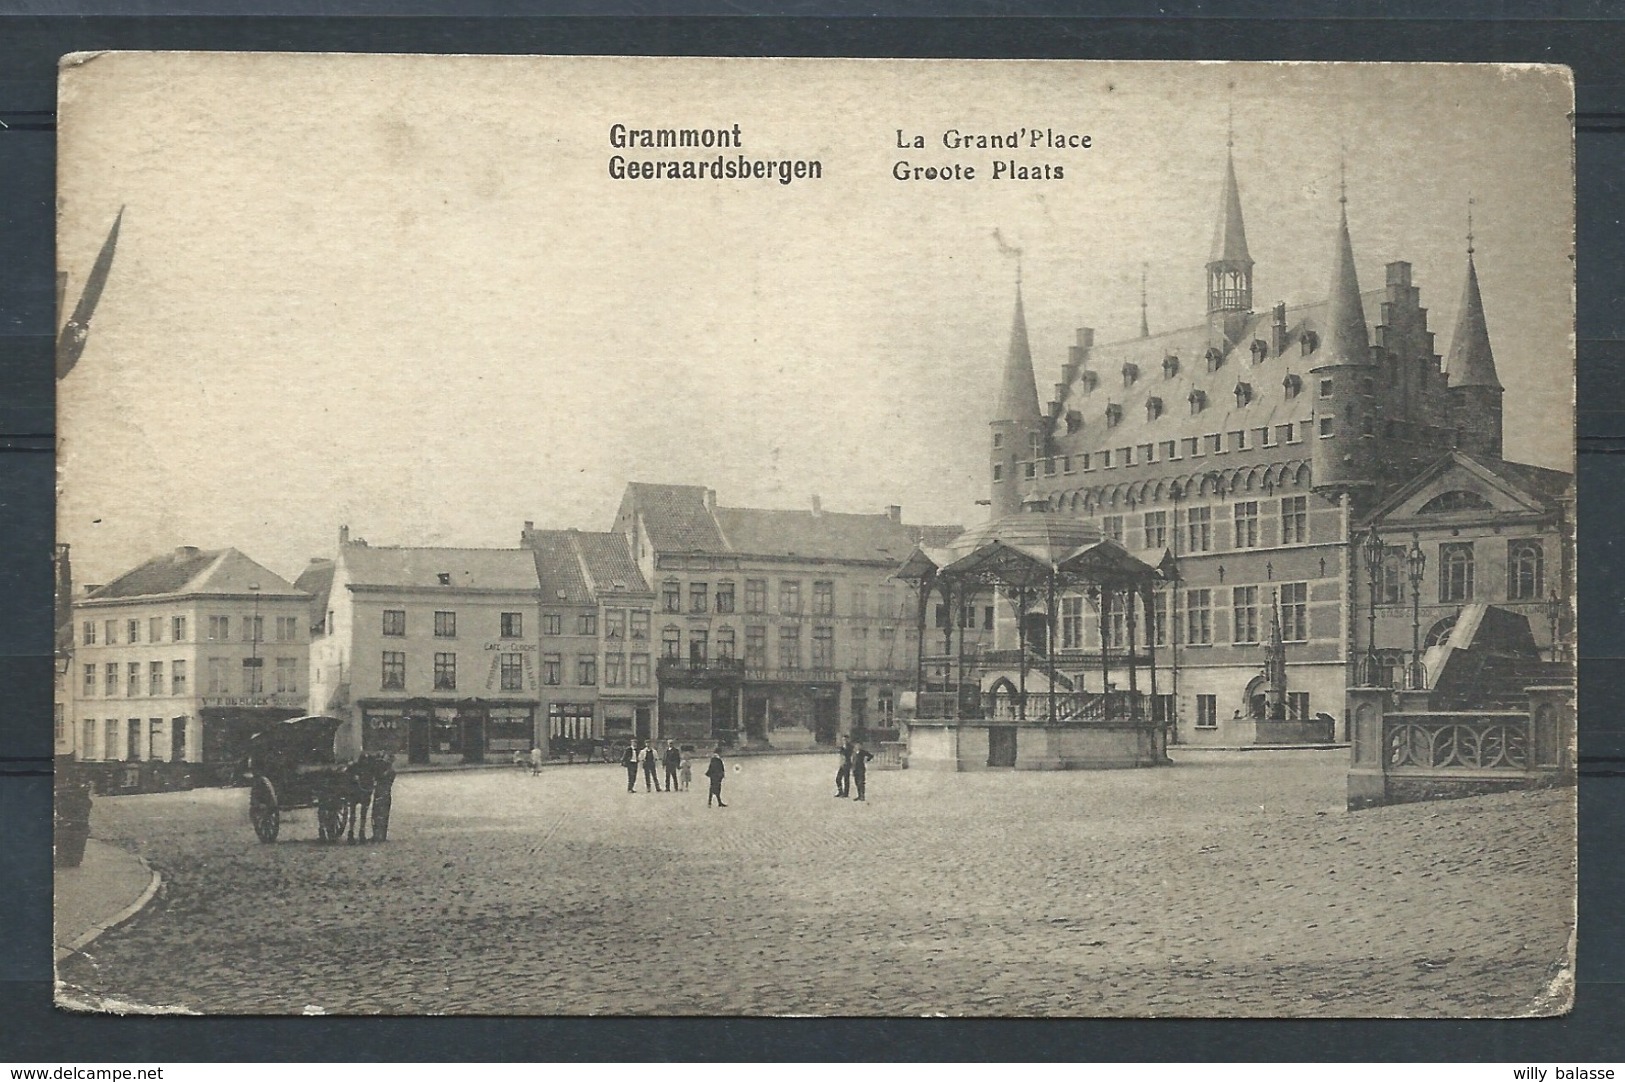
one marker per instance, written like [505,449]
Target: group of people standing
[679,771]
[854,769]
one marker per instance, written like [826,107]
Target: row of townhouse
[684,621]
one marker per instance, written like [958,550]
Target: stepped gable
[810,535]
[675,516]
[468,569]
[1269,405]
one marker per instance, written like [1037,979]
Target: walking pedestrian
[843,775]
[716,772]
[629,759]
[535,760]
[688,772]
[651,768]
[860,769]
[673,759]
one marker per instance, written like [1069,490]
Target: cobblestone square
[1233,883]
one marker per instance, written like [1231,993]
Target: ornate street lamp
[253,663]
[1554,617]
[1416,562]
[1375,553]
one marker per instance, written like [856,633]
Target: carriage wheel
[262,811]
[332,817]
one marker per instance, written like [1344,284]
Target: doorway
[1001,745]
[473,738]
[419,738]
[826,718]
[755,719]
[1035,626]
[641,723]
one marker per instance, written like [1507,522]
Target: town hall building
[1252,452]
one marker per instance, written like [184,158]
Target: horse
[371,780]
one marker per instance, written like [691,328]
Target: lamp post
[1554,617]
[252,665]
[1375,552]
[1416,562]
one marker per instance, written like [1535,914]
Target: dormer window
[1198,401]
[1114,415]
[1293,386]
[1170,366]
[1309,342]
[1215,359]
[1244,395]
[1131,373]
[1074,422]
[1088,380]
[1261,349]
[1153,408]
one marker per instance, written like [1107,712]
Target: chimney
[1279,345]
[894,512]
[817,505]
[711,500]
[526,535]
[344,535]
[1086,338]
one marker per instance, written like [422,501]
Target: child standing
[686,772]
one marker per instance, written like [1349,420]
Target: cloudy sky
[405,294]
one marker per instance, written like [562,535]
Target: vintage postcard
[1058,538]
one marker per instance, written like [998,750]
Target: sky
[404,294]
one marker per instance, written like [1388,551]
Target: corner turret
[1344,379]
[1475,388]
[1018,423]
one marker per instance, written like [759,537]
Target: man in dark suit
[843,776]
[673,760]
[629,759]
[860,769]
[716,772]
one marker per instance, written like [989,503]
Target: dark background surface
[1583,35]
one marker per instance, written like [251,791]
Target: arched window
[1455,500]
[1526,570]
[1456,571]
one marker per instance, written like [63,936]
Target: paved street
[1233,883]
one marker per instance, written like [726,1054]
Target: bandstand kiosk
[1033,702]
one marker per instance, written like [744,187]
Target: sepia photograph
[1099,537]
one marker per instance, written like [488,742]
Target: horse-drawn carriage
[295,764]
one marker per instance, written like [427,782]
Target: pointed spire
[1145,326]
[1018,396]
[1347,339]
[1229,232]
[1471,362]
